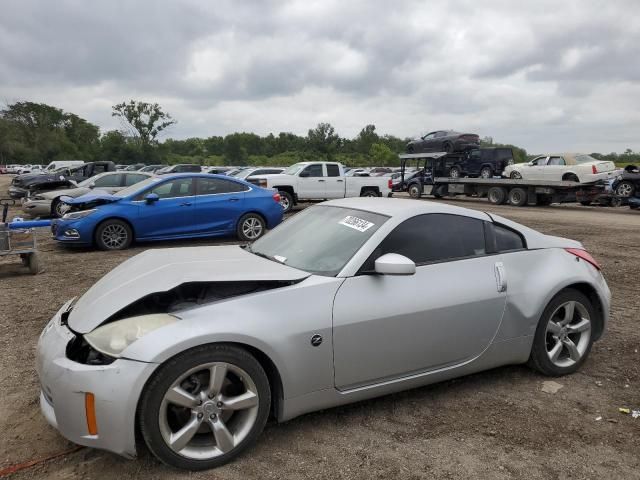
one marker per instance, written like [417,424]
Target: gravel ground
[497,424]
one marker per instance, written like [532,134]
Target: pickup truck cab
[320,181]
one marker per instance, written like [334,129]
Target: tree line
[36,133]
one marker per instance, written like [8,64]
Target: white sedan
[572,167]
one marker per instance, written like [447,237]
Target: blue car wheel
[113,235]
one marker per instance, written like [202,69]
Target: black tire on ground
[518,197]
[515,175]
[486,172]
[33,263]
[286,200]
[440,191]
[585,203]
[113,234]
[369,192]
[497,195]
[544,200]
[149,407]
[625,189]
[570,177]
[415,190]
[539,359]
[454,172]
[251,227]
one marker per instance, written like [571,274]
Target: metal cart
[18,241]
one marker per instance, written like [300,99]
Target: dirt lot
[497,424]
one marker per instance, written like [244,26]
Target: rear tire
[415,190]
[570,177]
[250,227]
[518,197]
[486,172]
[286,200]
[497,195]
[454,172]
[568,338]
[585,203]
[113,235]
[369,193]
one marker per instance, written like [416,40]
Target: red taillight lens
[584,255]
[594,169]
[276,197]
[390,183]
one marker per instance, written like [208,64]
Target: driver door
[387,327]
[312,182]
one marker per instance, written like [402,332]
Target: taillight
[594,169]
[276,197]
[584,255]
[390,183]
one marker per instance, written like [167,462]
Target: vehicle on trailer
[378,171]
[321,181]
[191,350]
[444,141]
[628,182]
[479,162]
[57,164]
[571,167]
[47,204]
[18,241]
[135,167]
[64,177]
[169,207]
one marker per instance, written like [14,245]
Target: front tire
[625,189]
[454,172]
[250,227]
[113,235]
[58,208]
[204,407]
[563,338]
[486,172]
[515,175]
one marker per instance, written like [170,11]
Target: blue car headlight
[78,215]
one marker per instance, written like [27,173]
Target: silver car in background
[347,300]
[47,204]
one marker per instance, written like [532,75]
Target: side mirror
[92,185]
[304,174]
[394,264]
[152,198]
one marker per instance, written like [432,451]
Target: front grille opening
[78,350]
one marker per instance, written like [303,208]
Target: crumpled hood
[163,269]
[93,197]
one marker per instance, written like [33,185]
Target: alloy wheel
[252,228]
[516,175]
[208,411]
[61,208]
[624,189]
[485,173]
[284,202]
[454,173]
[114,236]
[568,334]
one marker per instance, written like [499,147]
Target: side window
[540,161]
[333,170]
[108,181]
[556,161]
[180,187]
[429,136]
[506,239]
[214,186]
[440,134]
[133,178]
[314,170]
[99,169]
[434,237]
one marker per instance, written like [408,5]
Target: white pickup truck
[321,181]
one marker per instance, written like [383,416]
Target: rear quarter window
[507,240]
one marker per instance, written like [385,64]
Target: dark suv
[479,162]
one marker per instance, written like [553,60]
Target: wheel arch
[288,189]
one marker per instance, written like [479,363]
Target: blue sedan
[169,207]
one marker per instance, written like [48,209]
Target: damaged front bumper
[116,388]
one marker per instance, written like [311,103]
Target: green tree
[323,140]
[366,138]
[382,155]
[142,121]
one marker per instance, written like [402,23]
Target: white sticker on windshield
[356,223]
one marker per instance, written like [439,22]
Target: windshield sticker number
[356,223]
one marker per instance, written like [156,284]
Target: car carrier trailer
[432,181]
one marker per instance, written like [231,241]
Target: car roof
[404,208]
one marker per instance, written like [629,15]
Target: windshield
[295,168]
[320,239]
[585,158]
[90,180]
[137,187]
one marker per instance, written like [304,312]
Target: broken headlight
[111,339]
[78,215]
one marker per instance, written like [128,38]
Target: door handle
[321,180]
[185,204]
[234,199]
[501,277]
[340,180]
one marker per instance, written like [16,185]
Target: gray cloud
[547,75]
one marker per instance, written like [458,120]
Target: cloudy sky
[545,75]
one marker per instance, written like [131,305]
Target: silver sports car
[350,299]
